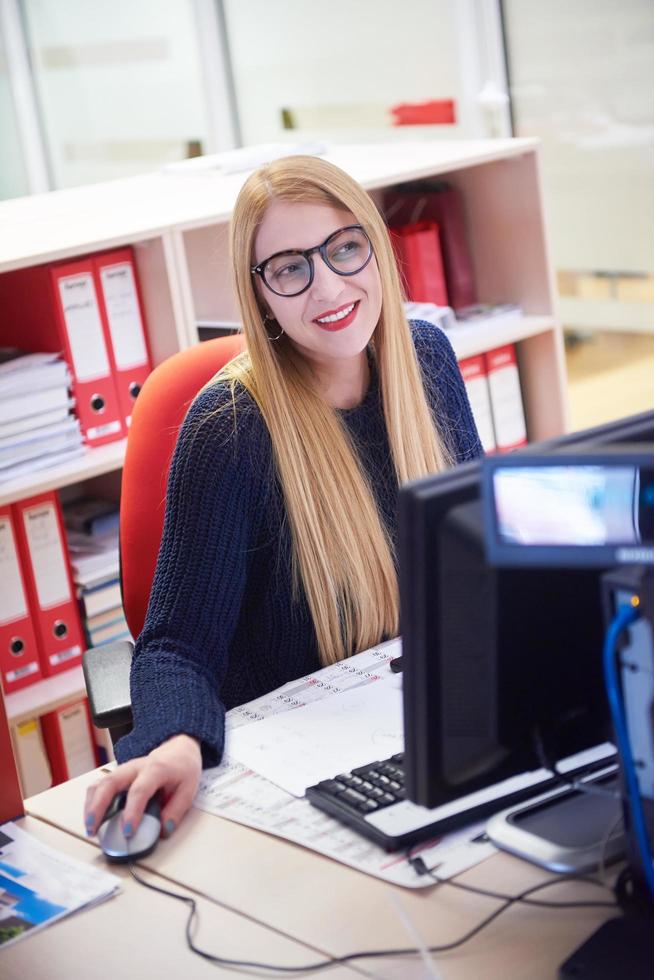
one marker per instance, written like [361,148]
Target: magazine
[39,884]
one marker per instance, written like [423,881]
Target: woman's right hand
[173,767]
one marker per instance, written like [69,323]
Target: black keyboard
[371,800]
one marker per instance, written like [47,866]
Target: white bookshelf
[178,225]
[94,462]
[46,695]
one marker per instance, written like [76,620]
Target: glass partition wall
[582,79]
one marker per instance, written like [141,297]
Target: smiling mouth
[339,318]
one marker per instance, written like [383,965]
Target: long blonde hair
[341,551]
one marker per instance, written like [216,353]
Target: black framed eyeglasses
[346,252]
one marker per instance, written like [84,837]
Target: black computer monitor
[502,667]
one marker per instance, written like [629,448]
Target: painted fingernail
[89,819]
[127,830]
[170,826]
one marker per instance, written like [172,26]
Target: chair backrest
[158,414]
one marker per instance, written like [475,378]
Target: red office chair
[158,413]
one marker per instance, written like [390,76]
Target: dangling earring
[270,319]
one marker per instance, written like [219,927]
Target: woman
[278,550]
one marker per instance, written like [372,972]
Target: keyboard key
[332,786]
[387,770]
[353,796]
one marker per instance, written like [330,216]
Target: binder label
[479,399]
[507,406]
[84,326]
[13,603]
[103,430]
[76,740]
[47,555]
[60,658]
[123,315]
[24,671]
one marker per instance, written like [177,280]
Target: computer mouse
[118,848]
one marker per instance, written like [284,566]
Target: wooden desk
[139,933]
[337,910]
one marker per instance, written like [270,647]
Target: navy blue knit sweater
[222,627]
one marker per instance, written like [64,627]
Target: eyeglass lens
[345,253]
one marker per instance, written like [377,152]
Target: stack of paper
[39,884]
[440,316]
[244,158]
[93,545]
[482,313]
[37,428]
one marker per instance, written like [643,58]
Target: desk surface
[336,910]
[108,941]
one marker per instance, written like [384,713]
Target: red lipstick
[340,324]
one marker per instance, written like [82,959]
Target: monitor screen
[502,666]
[567,504]
[579,506]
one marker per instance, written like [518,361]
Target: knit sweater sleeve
[446,391]
[215,493]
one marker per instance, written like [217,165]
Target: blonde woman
[278,551]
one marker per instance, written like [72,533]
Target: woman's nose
[327,284]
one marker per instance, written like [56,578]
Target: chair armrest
[106,675]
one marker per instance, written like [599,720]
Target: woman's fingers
[151,778]
[173,767]
[100,795]
[178,805]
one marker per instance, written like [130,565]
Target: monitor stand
[565,830]
[619,948]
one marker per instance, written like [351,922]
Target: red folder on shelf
[473,372]
[44,555]
[506,398]
[69,741]
[418,253]
[122,313]
[19,653]
[57,308]
[441,202]
[434,112]
[11,798]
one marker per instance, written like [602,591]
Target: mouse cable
[260,968]
[421,868]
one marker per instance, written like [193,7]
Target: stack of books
[92,532]
[38,428]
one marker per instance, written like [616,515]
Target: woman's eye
[286,271]
[347,249]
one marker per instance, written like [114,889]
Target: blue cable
[625,616]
